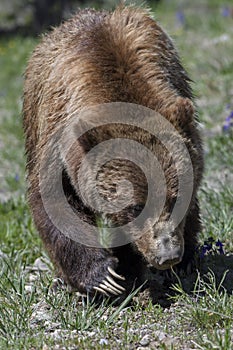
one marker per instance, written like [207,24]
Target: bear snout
[167,261]
[168,256]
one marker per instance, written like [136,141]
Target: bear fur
[98,57]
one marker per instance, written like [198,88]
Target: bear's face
[162,244]
[157,238]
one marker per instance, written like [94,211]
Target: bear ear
[181,112]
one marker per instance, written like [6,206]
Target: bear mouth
[165,263]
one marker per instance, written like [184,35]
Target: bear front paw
[100,277]
[108,286]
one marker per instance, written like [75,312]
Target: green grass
[33,318]
[13,58]
[209,311]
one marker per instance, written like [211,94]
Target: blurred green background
[34,16]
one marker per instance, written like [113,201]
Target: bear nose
[168,258]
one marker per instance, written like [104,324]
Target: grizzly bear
[122,60]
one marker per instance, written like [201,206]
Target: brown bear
[94,59]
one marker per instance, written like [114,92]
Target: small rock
[40,265]
[56,335]
[103,341]
[28,289]
[91,334]
[51,326]
[145,341]
[159,335]
[60,334]
[40,313]
[74,332]
[33,277]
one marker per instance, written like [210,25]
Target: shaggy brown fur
[95,58]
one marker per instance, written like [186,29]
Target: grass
[13,56]
[209,308]
[201,318]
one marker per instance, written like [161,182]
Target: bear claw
[113,283]
[109,288]
[109,285]
[114,274]
[101,291]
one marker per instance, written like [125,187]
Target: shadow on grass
[161,286]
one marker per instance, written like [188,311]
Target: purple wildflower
[17,177]
[210,247]
[219,244]
[226,11]
[203,252]
[180,17]
[228,122]
[206,248]
[209,244]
